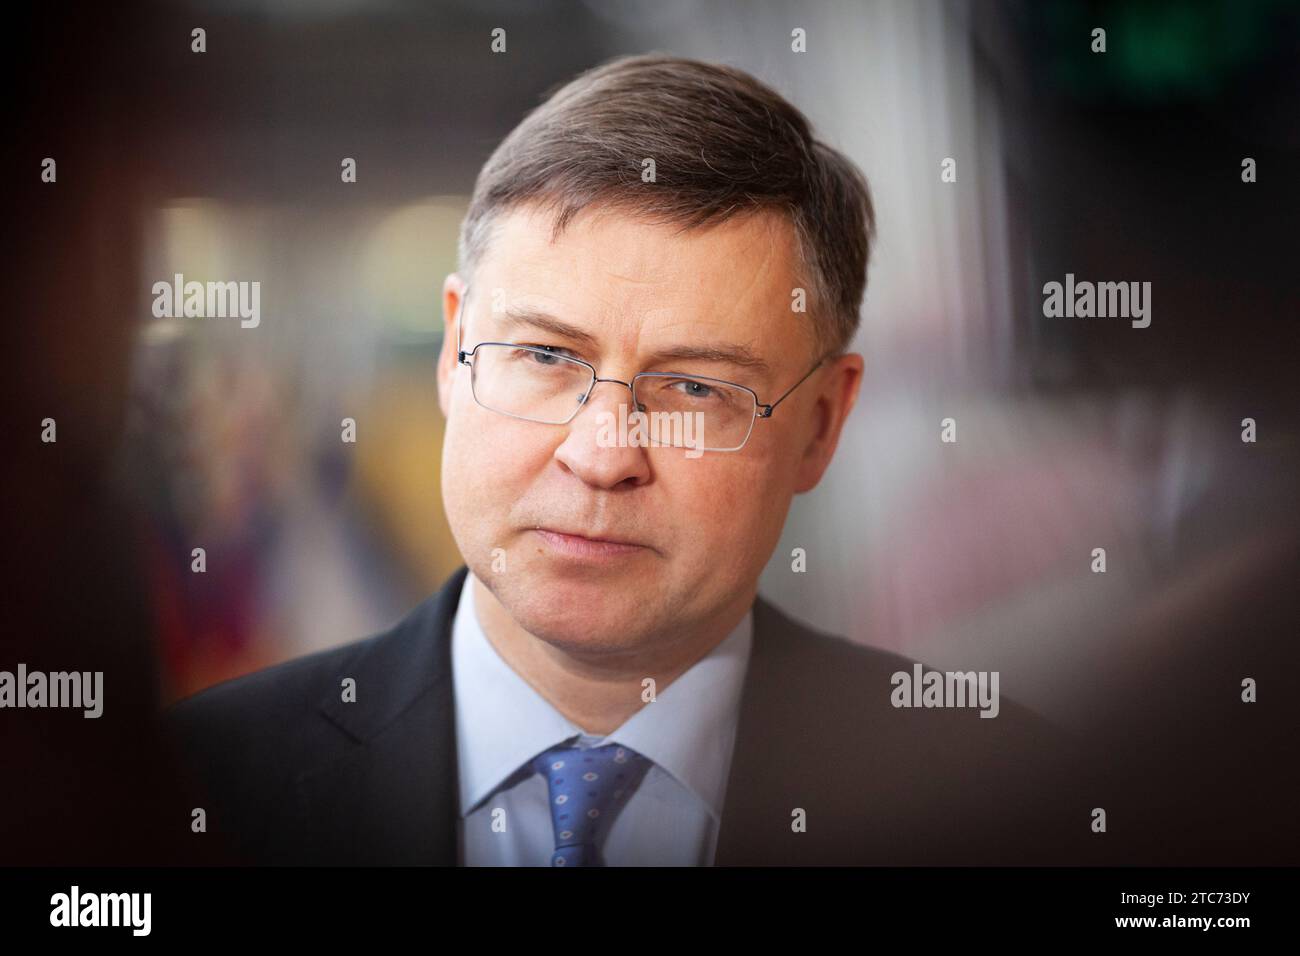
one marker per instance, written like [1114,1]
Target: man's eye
[694,389]
[698,391]
[539,357]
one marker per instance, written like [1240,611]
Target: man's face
[703,525]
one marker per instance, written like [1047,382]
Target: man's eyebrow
[739,355]
[516,315]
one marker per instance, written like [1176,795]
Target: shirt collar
[688,731]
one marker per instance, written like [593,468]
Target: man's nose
[596,448]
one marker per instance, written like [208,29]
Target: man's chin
[578,614]
[577,622]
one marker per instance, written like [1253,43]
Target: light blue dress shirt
[689,732]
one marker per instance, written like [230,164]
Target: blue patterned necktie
[588,786]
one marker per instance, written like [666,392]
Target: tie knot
[587,787]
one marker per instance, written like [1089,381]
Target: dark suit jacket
[290,774]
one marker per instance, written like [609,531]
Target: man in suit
[661,241]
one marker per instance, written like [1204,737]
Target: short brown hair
[723,143]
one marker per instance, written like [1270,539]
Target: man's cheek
[715,522]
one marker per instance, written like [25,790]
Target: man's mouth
[574,544]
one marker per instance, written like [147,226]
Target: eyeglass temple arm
[460,325]
[765,411]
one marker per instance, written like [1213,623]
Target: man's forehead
[608,253]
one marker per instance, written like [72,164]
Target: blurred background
[1072,434]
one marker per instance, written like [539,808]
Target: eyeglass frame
[761,409]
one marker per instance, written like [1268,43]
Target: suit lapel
[755,826]
[388,795]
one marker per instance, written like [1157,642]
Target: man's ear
[836,397]
[453,294]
